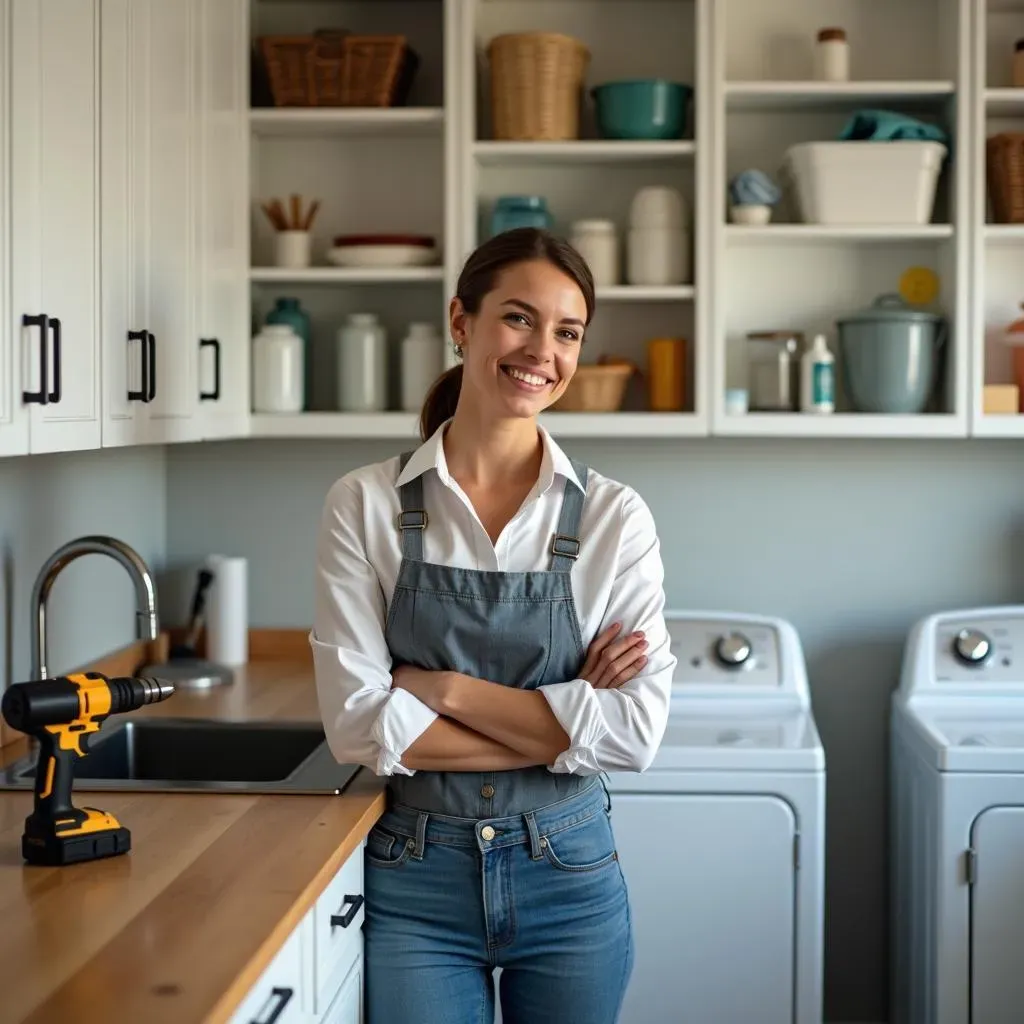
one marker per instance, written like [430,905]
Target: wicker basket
[334,68]
[536,85]
[1005,173]
[600,388]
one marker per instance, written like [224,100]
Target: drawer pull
[344,920]
[282,997]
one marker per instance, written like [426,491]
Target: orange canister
[666,374]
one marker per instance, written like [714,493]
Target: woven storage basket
[599,388]
[328,59]
[377,71]
[536,85]
[289,64]
[1005,173]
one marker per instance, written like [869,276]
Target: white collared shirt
[618,577]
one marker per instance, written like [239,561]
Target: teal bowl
[649,108]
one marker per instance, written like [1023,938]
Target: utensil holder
[292,249]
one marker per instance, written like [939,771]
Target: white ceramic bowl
[382,256]
[751,214]
[658,206]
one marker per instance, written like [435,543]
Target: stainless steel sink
[201,755]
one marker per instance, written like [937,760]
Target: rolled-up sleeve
[366,722]
[621,729]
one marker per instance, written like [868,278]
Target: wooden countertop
[180,927]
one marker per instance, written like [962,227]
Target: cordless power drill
[63,714]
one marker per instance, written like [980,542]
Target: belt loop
[536,853]
[421,835]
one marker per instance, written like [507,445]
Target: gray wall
[850,541]
[49,499]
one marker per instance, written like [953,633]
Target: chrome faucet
[146,627]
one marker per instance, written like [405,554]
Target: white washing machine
[957,821]
[722,839]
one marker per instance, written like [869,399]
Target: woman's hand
[610,662]
[429,687]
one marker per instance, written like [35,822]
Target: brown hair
[478,278]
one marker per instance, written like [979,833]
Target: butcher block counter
[182,927]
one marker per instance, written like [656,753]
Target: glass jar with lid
[773,370]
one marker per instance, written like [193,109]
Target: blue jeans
[544,899]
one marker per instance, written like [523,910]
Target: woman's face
[520,350]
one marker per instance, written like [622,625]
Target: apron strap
[565,545]
[412,520]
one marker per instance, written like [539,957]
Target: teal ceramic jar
[520,212]
[288,311]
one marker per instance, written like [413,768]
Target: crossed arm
[485,726]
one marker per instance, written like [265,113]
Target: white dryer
[957,821]
[722,839]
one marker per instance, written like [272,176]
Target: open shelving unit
[433,167]
[998,251]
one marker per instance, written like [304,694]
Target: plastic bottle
[817,378]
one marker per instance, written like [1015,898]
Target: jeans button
[487,833]
[487,791]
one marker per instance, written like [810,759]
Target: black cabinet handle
[282,997]
[344,920]
[56,392]
[213,395]
[140,395]
[151,383]
[39,397]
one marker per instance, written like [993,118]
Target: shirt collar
[430,455]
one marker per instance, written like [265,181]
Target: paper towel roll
[227,611]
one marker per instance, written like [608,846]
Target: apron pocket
[386,850]
[585,846]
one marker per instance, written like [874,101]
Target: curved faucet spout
[146,626]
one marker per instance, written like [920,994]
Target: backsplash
[850,541]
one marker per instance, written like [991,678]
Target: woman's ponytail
[441,401]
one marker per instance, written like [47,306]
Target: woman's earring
[458,350]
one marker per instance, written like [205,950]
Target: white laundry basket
[861,182]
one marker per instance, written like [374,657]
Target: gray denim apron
[514,628]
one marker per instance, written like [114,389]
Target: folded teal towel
[887,125]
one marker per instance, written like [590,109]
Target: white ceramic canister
[658,256]
[597,242]
[362,364]
[278,370]
[832,56]
[658,206]
[422,364]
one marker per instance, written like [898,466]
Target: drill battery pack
[86,834]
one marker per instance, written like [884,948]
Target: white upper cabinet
[221,148]
[54,310]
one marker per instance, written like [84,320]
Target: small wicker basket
[600,388]
[1005,172]
[536,85]
[334,68]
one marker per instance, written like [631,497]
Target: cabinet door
[221,216]
[347,1007]
[125,354]
[163,248]
[712,883]
[55,217]
[13,414]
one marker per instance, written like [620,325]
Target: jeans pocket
[384,849]
[585,846]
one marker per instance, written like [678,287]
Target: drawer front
[337,936]
[276,998]
[347,1008]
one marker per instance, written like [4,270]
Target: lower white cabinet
[317,975]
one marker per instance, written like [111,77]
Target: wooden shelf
[346,275]
[742,234]
[292,122]
[646,293]
[781,95]
[851,424]
[600,151]
[406,425]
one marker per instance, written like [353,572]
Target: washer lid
[987,740]
[697,741]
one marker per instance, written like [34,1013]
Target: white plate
[382,256]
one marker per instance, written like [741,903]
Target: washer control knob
[972,647]
[732,650]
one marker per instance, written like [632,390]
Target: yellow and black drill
[63,714]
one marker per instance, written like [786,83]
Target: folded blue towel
[887,125]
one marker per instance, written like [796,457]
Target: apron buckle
[416,523]
[569,547]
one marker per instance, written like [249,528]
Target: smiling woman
[496,300]
[489,634]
